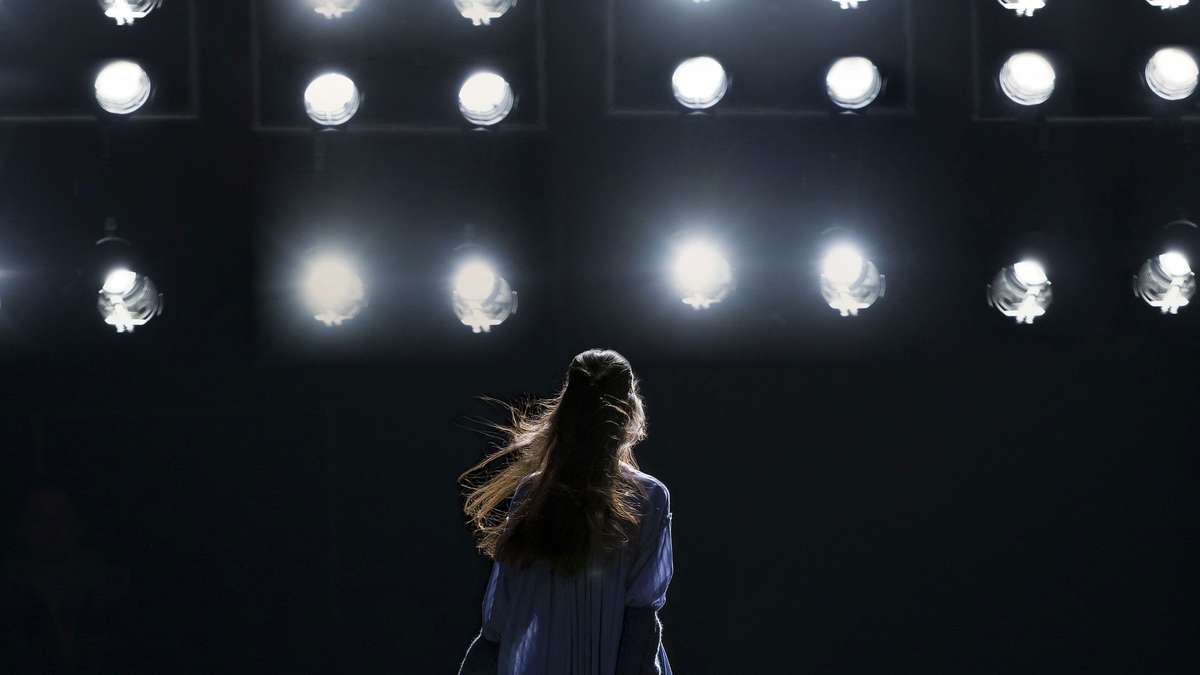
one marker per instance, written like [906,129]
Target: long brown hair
[581,501]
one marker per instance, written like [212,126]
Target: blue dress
[549,624]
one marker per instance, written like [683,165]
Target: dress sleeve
[495,599]
[654,565]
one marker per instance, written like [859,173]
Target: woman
[583,556]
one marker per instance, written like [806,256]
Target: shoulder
[656,490]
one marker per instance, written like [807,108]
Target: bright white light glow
[333,9]
[119,281]
[481,12]
[333,290]
[1027,78]
[1166,282]
[1023,7]
[853,82]
[331,99]
[1030,273]
[843,265]
[127,300]
[699,82]
[1175,264]
[485,99]
[122,87]
[849,282]
[125,12]
[482,298]
[1167,4]
[849,4]
[476,280]
[1172,73]
[702,274]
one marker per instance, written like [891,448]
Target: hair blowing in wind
[581,502]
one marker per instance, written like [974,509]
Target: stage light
[1021,291]
[1027,78]
[481,12]
[849,4]
[850,282]
[485,99]
[1172,74]
[333,9]
[1166,282]
[1023,7]
[1167,4]
[331,99]
[853,82]
[333,290]
[125,12]
[702,275]
[482,298]
[128,300]
[699,82]
[122,87]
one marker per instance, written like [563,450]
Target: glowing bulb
[119,281]
[849,282]
[702,274]
[1166,282]
[331,99]
[128,300]
[482,298]
[1167,4]
[843,265]
[125,12]
[333,9]
[1175,264]
[699,82]
[1027,78]
[122,87]
[481,12]
[1021,291]
[1023,7]
[475,281]
[853,82]
[1172,74]
[485,99]
[333,289]
[849,4]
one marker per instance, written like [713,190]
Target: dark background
[926,488]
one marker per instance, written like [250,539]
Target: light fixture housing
[702,274]
[122,87]
[332,288]
[1023,7]
[485,99]
[849,281]
[482,298]
[1028,78]
[1172,73]
[128,299]
[125,12]
[1021,291]
[333,9]
[849,4]
[1166,282]
[481,12]
[853,82]
[331,99]
[699,83]
[1167,4]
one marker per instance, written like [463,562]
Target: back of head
[581,501]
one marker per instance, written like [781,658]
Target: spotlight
[125,12]
[1021,291]
[331,99]
[481,12]
[1172,74]
[128,300]
[849,4]
[853,82]
[1023,7]
[1027,78]
[333,9]
[122,87]
[1167,4]
[333,290]
[699,82]
[485,99]
[482,298]
[702,274]
[1166,282]
[850,282]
